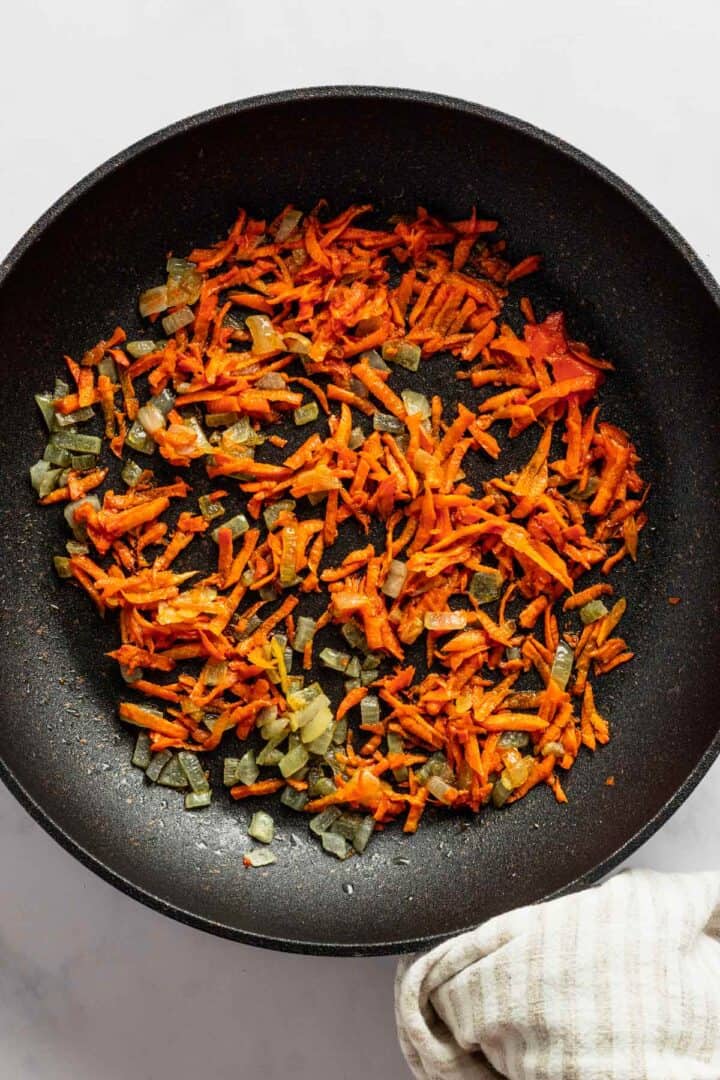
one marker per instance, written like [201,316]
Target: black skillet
[631,287]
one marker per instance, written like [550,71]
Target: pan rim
[305,95]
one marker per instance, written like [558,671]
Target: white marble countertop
[89,978]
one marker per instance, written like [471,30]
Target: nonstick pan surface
[630,287]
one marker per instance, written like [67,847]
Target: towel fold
[619,982]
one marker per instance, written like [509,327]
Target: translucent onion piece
[138,439]
[151,419]
[164,401]
[288,224]
[293,761]
[374,360]
[437,787]
[272,513]
[137,349]
[182,317]
[562,665]
[272,381]
[593,611]
[415,404]
[386,422]
[397,573]
[306,414]
[317,726]
[403,353]
[332,658]
[153,301]
[304,632]
[486,586]
[78,528]
[261,827]
[258,856]
[297,343]
[370,709]
[194,800]
[265,337]
[444,621]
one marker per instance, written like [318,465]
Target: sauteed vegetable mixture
[323,565]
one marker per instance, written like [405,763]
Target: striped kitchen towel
[619,982]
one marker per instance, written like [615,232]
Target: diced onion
[153,301]
[386,422]
[196,799]
[335,845]
[322,821]
[182,317]
[593,611]
[210,510]
[518,772]
[237,526]
[44,478]
[300,698]
[184,282]
[403,353]
[374,360]
[562,665]
[164,401]
[415,404]
[359,388]
[300,718]
[79,530]
[395,579]
[272,513]
[486,586]
[272,381]
[258,857]
[304,632]
[370,709]
[353,669]
[444,621]
[288,224]
[214,672]
[306,414]
[220,419]
[190,765]
[138,439]
[247,769]
[357,438]
[518,739]
[151,419]
[362,834]
[241,432]
[202,446]
[138,349]
[297,343]
[437,787]
[108,368]
[265,337]
[293,761]
[318,725]
[332,658]
[261,827]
